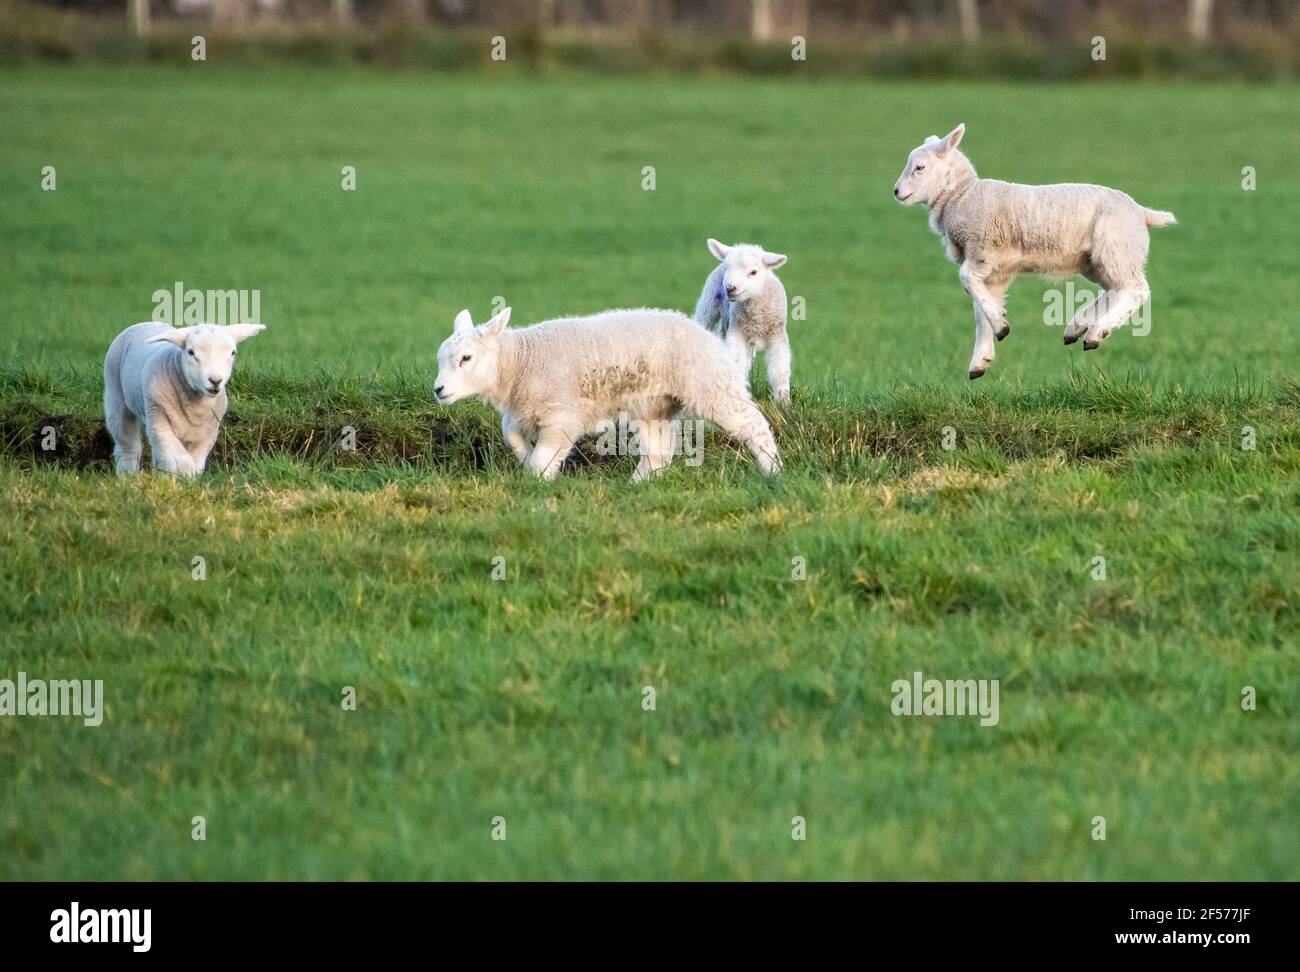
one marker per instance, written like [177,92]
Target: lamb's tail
[1158,217]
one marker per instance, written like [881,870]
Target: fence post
[137,15]
[761,22]
[969,12]
[1198,19]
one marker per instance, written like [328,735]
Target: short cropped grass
[1174,456]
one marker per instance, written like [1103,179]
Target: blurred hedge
[33,34]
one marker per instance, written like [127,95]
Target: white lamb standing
[173,379]
[996,230]
[559,380]
[744,303]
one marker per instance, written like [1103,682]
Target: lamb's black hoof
[1006,329]
[1071,338]
[1091,345]
[979,373]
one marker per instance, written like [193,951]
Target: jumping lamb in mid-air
[559,380]
[172,379]
[744,303]
[995,231]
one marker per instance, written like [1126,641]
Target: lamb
[174,381]
[996,230]
[559,380]
[745,304]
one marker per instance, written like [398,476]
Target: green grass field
[522,698]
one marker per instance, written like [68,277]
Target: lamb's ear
[719,250]
[498,323]
[952,139]
[773,260]
[176,336]
[464,323]
[241,331]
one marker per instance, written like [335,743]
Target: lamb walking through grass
[559,380]
[172,379]
[744,303]
[995,231]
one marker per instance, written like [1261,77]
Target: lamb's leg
[199,453]
[983,354]
[740,418]
[778,367]
[741,354]
[998,291]
[656,437]
[1083,319]
[554,444]
[989,318]
[515,438]
[125,430]
[169,455]
[1117,306]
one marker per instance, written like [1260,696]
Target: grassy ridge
[832,431]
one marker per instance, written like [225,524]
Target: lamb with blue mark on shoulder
[744,303]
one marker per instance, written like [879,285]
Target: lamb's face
[208,353]
[207,360]
[929,169]
[467,361]
[746,268]
[467,365]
